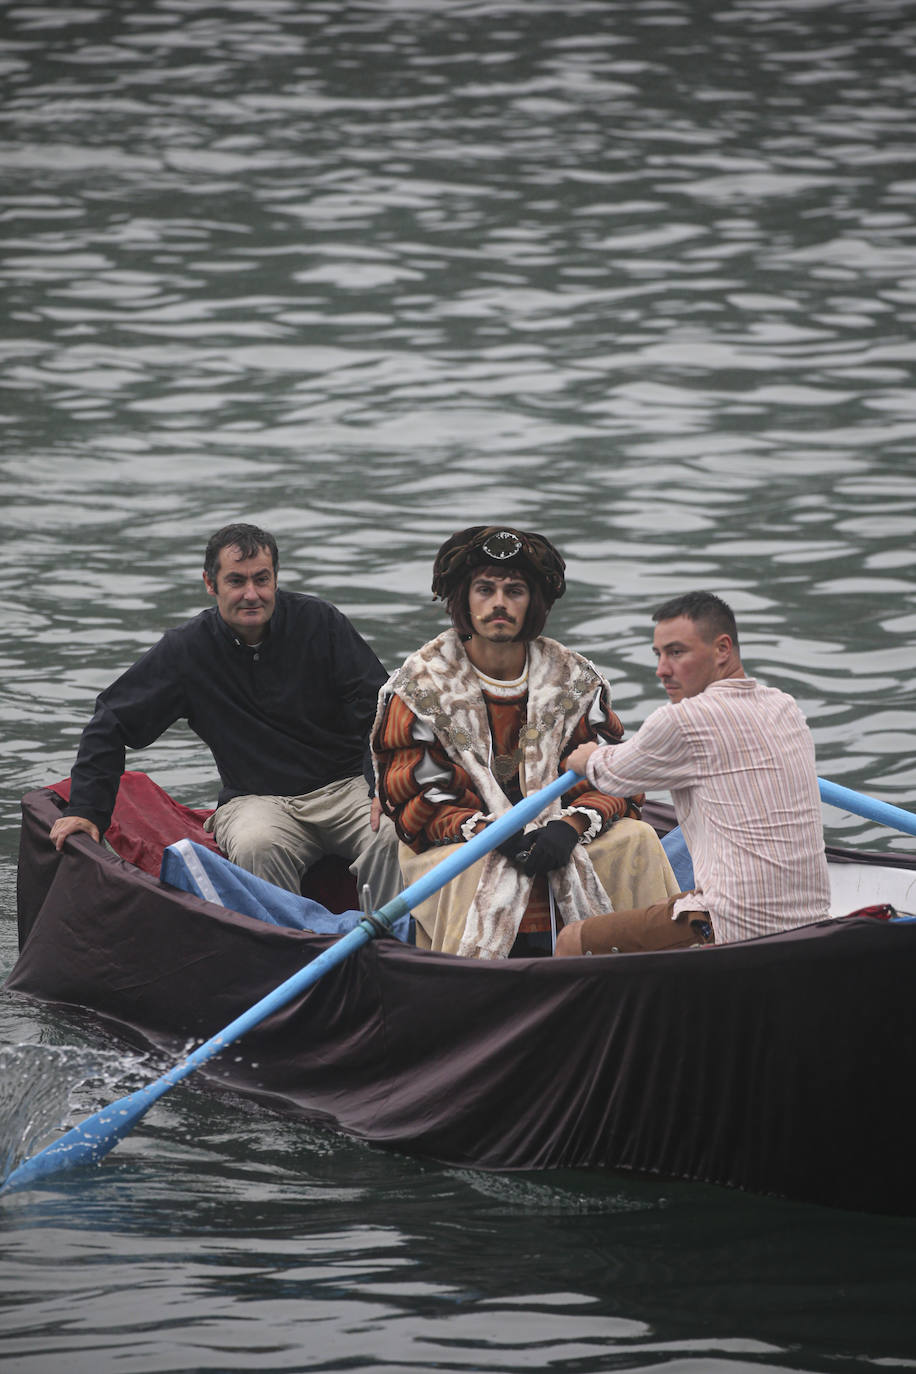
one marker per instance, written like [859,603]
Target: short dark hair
[535,617]
[248,539]
[704,608]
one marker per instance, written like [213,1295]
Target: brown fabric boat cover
[779,1065]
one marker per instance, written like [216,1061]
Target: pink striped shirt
[738,760]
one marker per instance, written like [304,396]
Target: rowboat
[775,1065]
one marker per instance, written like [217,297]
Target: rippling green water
[641,277]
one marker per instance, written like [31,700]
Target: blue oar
[860,805]
[93,1138]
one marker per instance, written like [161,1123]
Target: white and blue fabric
[196,869]
[675,846]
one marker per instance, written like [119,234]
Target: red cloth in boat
[146,820]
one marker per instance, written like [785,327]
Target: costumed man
[482,715]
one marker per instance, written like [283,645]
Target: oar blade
[88,1142]
[97,1136]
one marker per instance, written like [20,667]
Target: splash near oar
[95,1137]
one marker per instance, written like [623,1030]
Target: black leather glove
[519,843]
[551,847]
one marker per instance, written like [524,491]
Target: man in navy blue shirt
[283,690]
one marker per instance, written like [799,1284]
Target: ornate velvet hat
[498,546]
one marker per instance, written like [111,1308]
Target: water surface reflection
[641,277]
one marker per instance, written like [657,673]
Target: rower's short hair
[248,539]
[703,608]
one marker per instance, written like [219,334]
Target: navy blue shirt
[281,719]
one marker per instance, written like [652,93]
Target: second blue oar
[95,1137]
[869,807]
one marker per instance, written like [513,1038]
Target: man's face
[687,663]
[245,591]
[497,606]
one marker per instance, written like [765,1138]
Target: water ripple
[639,276]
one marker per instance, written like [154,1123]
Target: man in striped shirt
[738,759]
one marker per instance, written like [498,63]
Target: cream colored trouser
[628,859]
[279,838]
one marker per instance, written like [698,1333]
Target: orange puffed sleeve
[420,821]
[606,731]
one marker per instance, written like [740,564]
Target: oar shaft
[273,1001]
[869,807]
[417,892]
[93,1138]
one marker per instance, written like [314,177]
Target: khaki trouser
[637,931]
[279,838]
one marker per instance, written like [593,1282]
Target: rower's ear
[723,646]
[209,585]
